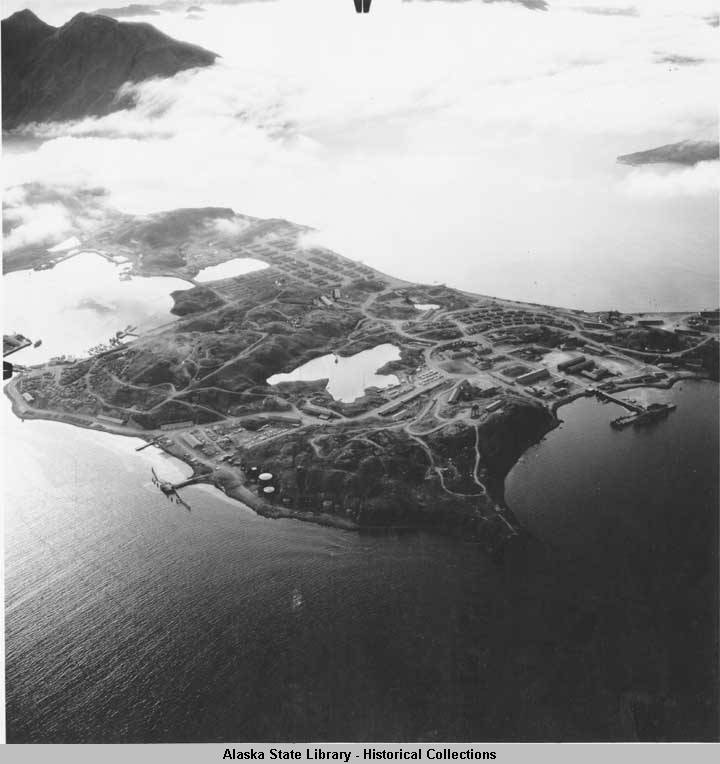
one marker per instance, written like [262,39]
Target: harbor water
[129,618]
[80,303]
[632,516]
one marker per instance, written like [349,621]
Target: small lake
[81,302]
[238,266]
[424,307]
[348,377]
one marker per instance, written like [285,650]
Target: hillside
[76,70]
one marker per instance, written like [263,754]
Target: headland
[474,381]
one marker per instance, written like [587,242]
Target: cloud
[56,13]
[438,143]
[88,303]
[601,10]
[230,228]
[699,180]
[533,5]
[38,224]
[35,214]
[134,9]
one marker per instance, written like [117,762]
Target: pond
[238,266]
[348,377]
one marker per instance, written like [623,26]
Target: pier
[634,407]
[152,442]
[190,481]
[171,489]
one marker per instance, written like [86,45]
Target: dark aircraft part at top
[7,370]
[362,6]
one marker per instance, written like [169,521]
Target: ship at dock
[653,413]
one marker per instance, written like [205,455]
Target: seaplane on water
[169,490]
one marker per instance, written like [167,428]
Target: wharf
[646,416]
[152,442]
[634,407]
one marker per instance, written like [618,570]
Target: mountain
[684,152]
[75,70]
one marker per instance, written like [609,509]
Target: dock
[653,413]
[634,407]
[171,489]
[190,481]
[152,442]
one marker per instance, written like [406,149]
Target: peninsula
[426,439]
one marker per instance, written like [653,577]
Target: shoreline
[234,485]
[664,385]
[229,485]
[236,492]
[659,385]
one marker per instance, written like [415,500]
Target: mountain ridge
[76,70]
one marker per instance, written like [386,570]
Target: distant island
[477,379]
[76,70]
[684,152]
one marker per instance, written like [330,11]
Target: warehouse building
[176,425]
[192,441]
[533,376]
[110,419]
[565,365]
[582,366]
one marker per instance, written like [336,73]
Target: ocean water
[129,618]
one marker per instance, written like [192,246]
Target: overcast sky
[471,143]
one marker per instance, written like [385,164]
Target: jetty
[639,415]
[653,413]
[190,481]
[171,489]
[636,408]
[152,442]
